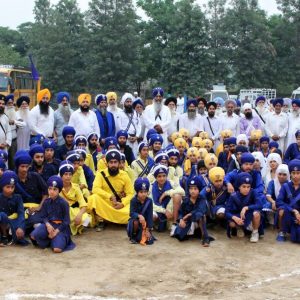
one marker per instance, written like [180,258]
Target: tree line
[178,44]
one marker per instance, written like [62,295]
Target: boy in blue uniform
[49,147]
[141,214]
[243,208]
[288,205]
[293,150]
[54,231]
[192,214]
[68,134]
[11,211]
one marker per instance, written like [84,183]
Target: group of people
[152,168]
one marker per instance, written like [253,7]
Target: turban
[241,149]
[113,154]
[242,137]
[61,95]
[127,96]
[73,156]
[184,132]
[80,139]
[38,139]
[230,141]
[22,158]
[277,101]
[226,133]
[22,99]
[158,91]
[264,139]
[273,144]
[99,98]
[207,142]
[123,157]
[171,99]
[210,158]
[204,135]
[215,174]
[191,101]
[180,142]
[36,148]
[201,99]
[244,178]
[155,138]
[56,182]
[8,178]
[219,101]
[247,158]
[83,97]
[123,133]
[175,135]
[141,184]
[196,142]
[209,104]
[2,164]
[294,165]
[43,93]
[161,155]
[142,145]
[136,102]
[64,167]
[3,154]
[247,106]
[2,97]
[238,103]
[9,97]
[149,133]
[297,134]
[296,102]
[81,152]
[173,152]
[260,98]
[159,169]
[195,181]
[192,151]
[49,144]
[287,101]
[109,141]
[111,95]
[92,135]
[68,130]
[256,134]
[202,153]
[230,101]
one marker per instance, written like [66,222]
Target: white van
[296,94]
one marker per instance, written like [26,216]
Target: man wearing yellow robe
[107,204]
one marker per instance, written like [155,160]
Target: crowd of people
[154,168]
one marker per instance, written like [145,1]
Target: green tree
[8,56]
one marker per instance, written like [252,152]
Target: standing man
[180,104]
[249,122]
[294,122]
[229,119]
[260,110]
[84,120]
[5,133]
[201,106]
[277,124]
[171,102]
[113,107]
[62,115]
[157,115]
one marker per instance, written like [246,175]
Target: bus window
[3,82]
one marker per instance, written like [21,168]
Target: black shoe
[3,241]
[34,242]
[206,242]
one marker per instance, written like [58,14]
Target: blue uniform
[106,124]
[89,176]
[61,152]
[292,152]
[47,171]
[224,161]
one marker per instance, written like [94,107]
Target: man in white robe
[171,102]
[229,119]
[294,122]
[113,108]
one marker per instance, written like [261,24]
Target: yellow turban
[196,142]
[227,133]
[202,153]
[184,132]
[180,142]
[192,151]
[175,135]
[204,135]
[207,143]
[43,93]
[82,97]
[111,95]
[256,134]
[216,173]
[209,158]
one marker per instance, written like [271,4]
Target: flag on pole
[34,71]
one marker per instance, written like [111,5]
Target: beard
[10,112]
[295,113]
[103,111]
[248,115]
[128,109]
[84,109]
[38,166]
[201,111]
[65,111]
[113,107]
[157,106]
[211,114]
[113,172]
[24,114]
[44,108]
[1,110]
[93,147]
[191,114]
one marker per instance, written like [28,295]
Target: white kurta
[213,129]
[277,124]
[192,125]
[84,123]
[152,118]
[116,113]
[231,122]
[41,124]
[5,133]
[294,125]
[174,123]
[180,105]
[23,132]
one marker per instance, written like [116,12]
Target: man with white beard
[22,117]
[113,107]
[191,120]
[11,114]
[130,122]
[260,109]
[62,115]
[157,116]
[294,122]
[229,119]
[171,102]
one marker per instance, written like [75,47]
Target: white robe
[231,122]
[192,125]
[213,129]
[294,125]
[174,123]
[23,131]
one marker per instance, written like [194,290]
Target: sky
[16,12]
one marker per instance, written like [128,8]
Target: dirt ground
[106,265]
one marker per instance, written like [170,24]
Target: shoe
[281,237]
[3,241]
[240,233]
[254,237]
[173,228]
[100,227]
[206,242]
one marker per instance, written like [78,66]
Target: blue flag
[34,71]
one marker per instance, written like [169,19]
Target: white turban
[247,106]
[125,97]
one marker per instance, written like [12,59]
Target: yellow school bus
[18,81]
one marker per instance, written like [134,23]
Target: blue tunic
[89,176]
[292,152]
[106,124]
[223,161]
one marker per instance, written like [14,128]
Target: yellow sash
[13,216]
[29,205]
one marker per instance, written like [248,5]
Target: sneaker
[254,237]
[173,228]
[100,227]
[240,232]
[281,237]
[206,242]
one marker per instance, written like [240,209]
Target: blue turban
[123,157]
[264,139]
[2,164]
[260,98]
[61,95]
[159,169]
[173,152]
[136,102]
[65,166]
[80,139]
[238,103]
[68,130]
[113,154]
[191,101]
[8,178]
[22,158]
[9,97]
[161,155]
[297,133]
[244,178]
[55,181]
[294,165]
[81,152]
[99,98]
[277,101]
[92,135]
[241,148]
[38,139]
[230,141]
[141,184]
[110,141]
[142,145]
[219,101]
[123,133]
[158,91]
[247,158]
[3,154]
[273,144]
[36,148]
[296,102]
[149,133]
[49,144]
[155,138]
[195,181]
[73,156]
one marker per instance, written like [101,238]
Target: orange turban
[82,97]
[43,93]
